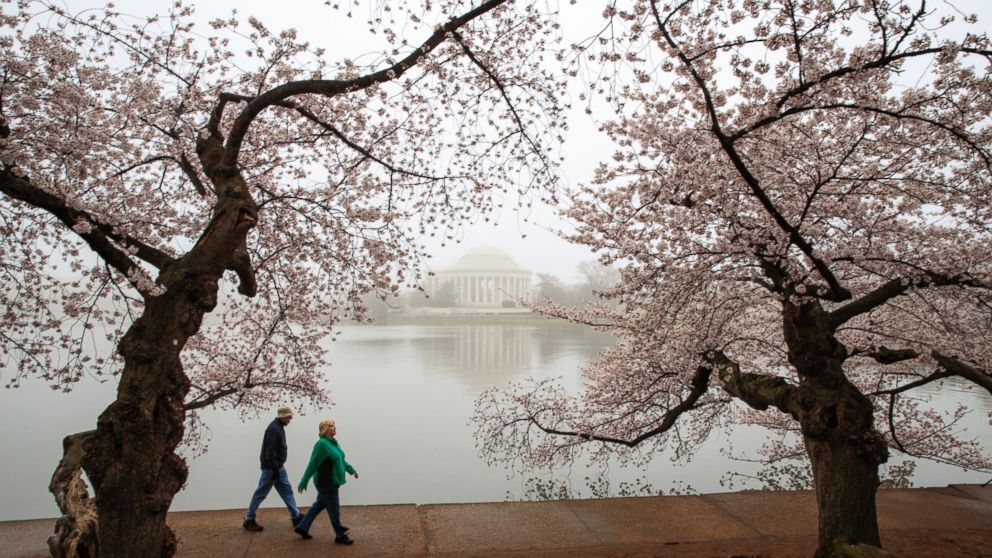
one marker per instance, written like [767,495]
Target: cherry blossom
[799,206]
[194,213]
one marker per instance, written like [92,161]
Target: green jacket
[327,449]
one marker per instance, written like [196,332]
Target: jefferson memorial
[485,277]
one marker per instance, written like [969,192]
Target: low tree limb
[100,237]
[700,384]
[759,391]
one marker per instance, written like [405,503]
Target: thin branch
[700,384]
[331,88]
[499,85]
[99,237]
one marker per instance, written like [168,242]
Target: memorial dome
[486,258]
[485,277]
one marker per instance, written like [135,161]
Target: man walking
[272,457]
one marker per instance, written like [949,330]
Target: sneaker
[303,533]
[251,525]
[344,529]
[343,539]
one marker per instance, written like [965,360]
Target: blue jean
[327,498]
[285,490]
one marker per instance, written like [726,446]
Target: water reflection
[483,355]
[478,355]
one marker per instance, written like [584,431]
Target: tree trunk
[845,474]
[131,460]
[837,423]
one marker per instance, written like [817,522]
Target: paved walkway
[951,521]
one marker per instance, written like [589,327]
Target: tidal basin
[403,396]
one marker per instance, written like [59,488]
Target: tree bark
[76,530]
[843,446]
[845,475]
[131,460]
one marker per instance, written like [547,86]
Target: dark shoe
[343,539]
[303,533]
[250,525]
[344,529]
[296,520]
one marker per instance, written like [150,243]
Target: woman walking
[328,464]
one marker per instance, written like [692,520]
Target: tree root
[76,530]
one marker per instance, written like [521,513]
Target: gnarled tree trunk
[845,457]
[131,459]
[837,424]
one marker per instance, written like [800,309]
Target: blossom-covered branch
[799,200]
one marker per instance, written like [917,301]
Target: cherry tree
[799,204]
[190,211]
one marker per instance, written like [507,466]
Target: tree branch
[700,384]
[949,366]
[757,390]
[248,384]
[878,63]
[101,238]
[932,377]
[964,370]
[499,85]
[892,289]
[331,88]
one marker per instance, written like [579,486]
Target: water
[403,397]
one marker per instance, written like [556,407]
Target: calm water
[403,397]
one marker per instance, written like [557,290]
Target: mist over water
[403,397]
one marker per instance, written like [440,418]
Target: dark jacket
[274,445]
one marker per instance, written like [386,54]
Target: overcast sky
[531,239]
